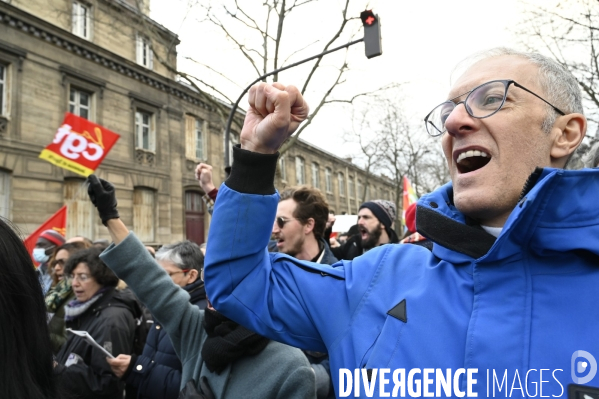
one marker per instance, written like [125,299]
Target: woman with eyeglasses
[108,315]
[156,373]
[220,358]
[61,293]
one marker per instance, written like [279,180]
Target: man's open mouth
[363,231]
[472,160]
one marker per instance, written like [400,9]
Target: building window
[3,90]
[195,144]
[80,103]
[300,174]
[144,214]
[81,20]
[328,180]
[351,187]
[5,194]
[144,131]
[341,181]
[360,190]
[315,175]
[145,57]
[80,211]
[283,168]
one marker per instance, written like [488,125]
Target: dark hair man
[509,288]
[375,221]
[299,228]
[300,223]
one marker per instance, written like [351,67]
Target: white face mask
[39,254]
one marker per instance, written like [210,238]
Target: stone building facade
[107,61]
[342,181]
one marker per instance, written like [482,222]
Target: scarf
[227,341]
[58,295]
[75,308]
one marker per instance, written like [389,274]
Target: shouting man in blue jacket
[505,303]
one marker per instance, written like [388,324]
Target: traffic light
[372,34]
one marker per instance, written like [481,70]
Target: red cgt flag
[56,222]
[79,145]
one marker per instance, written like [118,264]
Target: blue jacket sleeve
[303,304]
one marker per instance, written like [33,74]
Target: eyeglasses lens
[481,102]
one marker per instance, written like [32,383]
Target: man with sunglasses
[299,228]
[300,223]
[507,296]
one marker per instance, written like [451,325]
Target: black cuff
[131,364]
[252,172]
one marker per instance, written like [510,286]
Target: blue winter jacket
[156,373]
[516,308]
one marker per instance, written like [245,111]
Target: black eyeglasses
[281,221]
[482,101]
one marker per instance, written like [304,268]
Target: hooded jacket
[521,306]
[111,321]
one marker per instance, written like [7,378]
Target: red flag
[56,222]
[409,197]
[79,145]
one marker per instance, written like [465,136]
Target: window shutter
[150,56]
[190,147]
[144,214]
[139,49]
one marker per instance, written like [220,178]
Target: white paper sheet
[88,338]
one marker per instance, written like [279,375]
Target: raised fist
[204,177]
[275,112]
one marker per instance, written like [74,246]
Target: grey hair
[559,85]
[184,254]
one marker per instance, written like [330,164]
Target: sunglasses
[281,221]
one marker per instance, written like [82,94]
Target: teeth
[471,153]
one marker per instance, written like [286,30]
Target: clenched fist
[204,177]
[275,112]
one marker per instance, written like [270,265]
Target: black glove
[103,196]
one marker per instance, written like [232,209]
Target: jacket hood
[557,206]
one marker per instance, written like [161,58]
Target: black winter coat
[111,321]
[351,249]
[156,373]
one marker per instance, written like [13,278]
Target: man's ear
[193,275]
[309,226]
[568,131]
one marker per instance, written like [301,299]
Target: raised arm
[131,262]
[301,303]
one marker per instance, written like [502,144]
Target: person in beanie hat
[375,221]
[44,246]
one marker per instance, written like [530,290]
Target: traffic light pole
[234,108]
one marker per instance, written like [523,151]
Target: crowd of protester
[157,333]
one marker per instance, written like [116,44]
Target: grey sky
[422,42]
